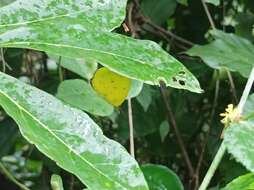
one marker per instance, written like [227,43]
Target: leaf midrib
[75,47]
[57,138]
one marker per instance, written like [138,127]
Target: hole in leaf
[181,82]
[182,72]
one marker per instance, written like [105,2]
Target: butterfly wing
[112,86]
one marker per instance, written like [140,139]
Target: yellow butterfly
[112,86]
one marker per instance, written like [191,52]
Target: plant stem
[246,92]
[5,64]
[10,177]
[232,84]
[172,122]
[208,15]
[132,145]
[60,70]
[222,148]
[213,167]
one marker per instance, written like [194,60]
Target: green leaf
[8,136]
[164,130]
[70,138]
[227,51]
[56,182]
[5,2]
[145,97]
[245,182]
[82,30]
[136,88]
[81,67]
[81,95]
[214,2]
[239,138]
[158,11]
[183,2]
[249,107]
[161,178]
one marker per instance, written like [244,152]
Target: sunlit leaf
[81,67]
[56,182]
[70,138]
[81,29]
[245,182]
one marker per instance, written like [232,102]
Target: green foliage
[81,95]
[141,60]
[161,178]
[239,137]
[158,12]
[81,147]
[57,46]
[242,182]
[79,66]
[164,130]
[221,53]
[56,182]
[214,2]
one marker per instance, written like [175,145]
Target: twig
[60,70]
[172,121]
[167,32]
[208,15]
[214,28]
[131,133]
[222,148]
[5,64]
[232,84]
[130,23]
[165,37]
[201,157]
[12,178]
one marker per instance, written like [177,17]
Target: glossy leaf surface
[81,95]
[81,29]
[245,182]
[227,51]
[136,88]
[81,67]
[161,178]
[69,137]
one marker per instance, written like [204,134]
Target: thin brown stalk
[172,122]
[167,32]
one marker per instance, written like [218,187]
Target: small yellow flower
[231,114]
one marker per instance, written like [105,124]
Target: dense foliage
[175,65]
